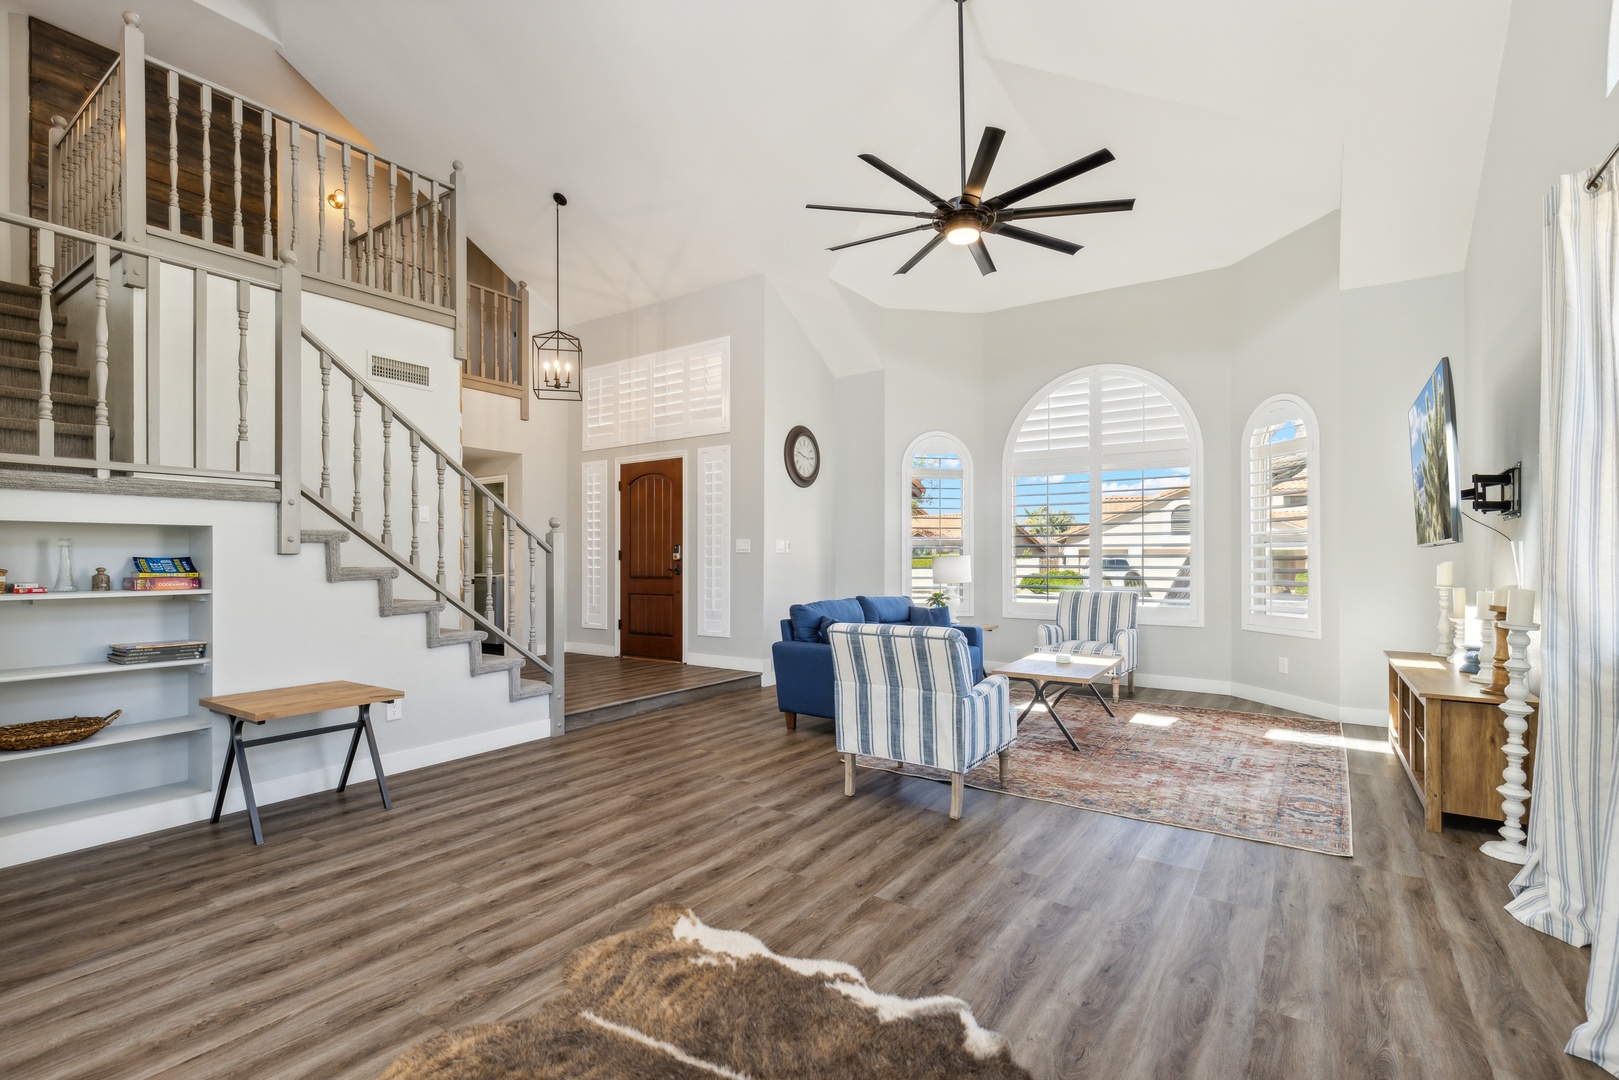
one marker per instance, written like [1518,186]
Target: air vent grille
[399,371]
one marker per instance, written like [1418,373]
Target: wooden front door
[649,560]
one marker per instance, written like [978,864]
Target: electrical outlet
[781,547]
[396,710]
[1281,664]
[423,515]
[744,547]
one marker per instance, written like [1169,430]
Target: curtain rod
[1596,180]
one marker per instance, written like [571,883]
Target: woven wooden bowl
[70,729]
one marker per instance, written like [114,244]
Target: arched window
[938,516]
[1103,475]
[1282,527]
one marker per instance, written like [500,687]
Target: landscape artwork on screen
[1435,485]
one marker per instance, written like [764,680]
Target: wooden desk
[1448,733]
[258,706]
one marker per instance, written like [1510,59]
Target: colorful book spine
[173,566]
[161,584]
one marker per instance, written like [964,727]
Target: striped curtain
[1569,888]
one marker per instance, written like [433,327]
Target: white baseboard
[1378,718]
[1265,695]
[186,808]
[729,663]
[591,649]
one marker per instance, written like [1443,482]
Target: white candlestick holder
[1510,847]
[1458,652]
[1443,648]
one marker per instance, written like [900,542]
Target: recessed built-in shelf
[107,804]
[115,733]
[105,667]
[115,594]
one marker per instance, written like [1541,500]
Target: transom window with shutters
[1282,546]
[675,394]
[1104,477]
[938,516]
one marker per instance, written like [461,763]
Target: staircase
[72,397]
[388,606]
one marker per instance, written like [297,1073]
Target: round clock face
[803,456]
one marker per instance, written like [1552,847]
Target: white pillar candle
[1458,603]
[1521,607]
[1484,596]
[1500,599]
[1447,573]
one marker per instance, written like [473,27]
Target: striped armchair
[906,693]
[1096,622]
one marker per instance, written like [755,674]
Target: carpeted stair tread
[413,607]
[16,423]
[31,339]
[26,311]
[457,637]
[367,573]
[528,688]
[59,397]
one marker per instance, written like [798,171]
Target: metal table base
[1051,703]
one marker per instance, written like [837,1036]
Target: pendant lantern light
[558,357]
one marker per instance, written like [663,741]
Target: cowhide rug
[682,1000]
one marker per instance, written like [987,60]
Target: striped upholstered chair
[906,693]
[1096,622]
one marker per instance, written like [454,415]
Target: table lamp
[952,570]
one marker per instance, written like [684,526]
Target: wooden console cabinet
[1448,732]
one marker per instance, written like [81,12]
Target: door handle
[676,557]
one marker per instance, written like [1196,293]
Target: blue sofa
[803,659]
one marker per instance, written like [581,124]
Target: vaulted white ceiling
[688,137]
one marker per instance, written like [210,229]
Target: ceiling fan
[965,219]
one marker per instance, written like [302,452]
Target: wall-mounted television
[1435,483]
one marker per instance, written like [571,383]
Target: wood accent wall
[62,70]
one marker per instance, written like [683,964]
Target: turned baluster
[243,293]
[387,478]
[115,146]
[356,516]
[432,188]
[438,464]
[45,266]
[489,558]
[294,133]
[103,433]
[347,270]
[370,257]
[466,541]
[417,245]
[392,284]
[238,235]
[266,130]
[533,601]
[511,577]
[320,202]
[325,426]
[207,164]
[415,499]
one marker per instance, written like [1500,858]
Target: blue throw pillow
[885,609]
[930,616]
[806,618]
[820,629]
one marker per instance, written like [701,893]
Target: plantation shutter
[675,394]
[1279,520]
[593,546]
[714,568]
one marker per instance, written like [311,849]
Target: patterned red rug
[1277,779]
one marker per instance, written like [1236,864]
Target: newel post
[458,258]
[289,383]
[132,124]
[556,619]
[53,170]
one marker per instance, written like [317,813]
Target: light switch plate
[396,710]
[423,515]
[744,547]
[1281,664]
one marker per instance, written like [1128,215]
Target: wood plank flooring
[1103,948]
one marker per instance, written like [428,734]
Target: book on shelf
[149,646]
[170,566]
[162,583]
[156,658]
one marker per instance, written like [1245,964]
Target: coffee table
[1040,670]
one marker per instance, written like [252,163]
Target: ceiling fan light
[963,233]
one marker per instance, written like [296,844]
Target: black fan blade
[1053,178]
[920,255]
[894,174]
[869,210]
[988,147]
[1038,239]
[986,265]
[1106,206]
[884,236]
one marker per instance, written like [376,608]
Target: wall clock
[803,456]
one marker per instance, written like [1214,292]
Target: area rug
[1277,779]
[682,1000]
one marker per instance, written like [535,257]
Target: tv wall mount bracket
[1510,485]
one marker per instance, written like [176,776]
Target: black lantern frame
[558,365]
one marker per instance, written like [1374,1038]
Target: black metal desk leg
[348,763]
[376,758]
[247,783]
[224,774]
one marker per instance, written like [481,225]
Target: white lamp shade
[952,569]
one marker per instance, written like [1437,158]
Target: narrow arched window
[1104,488]
[1282,550]
[937,516]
